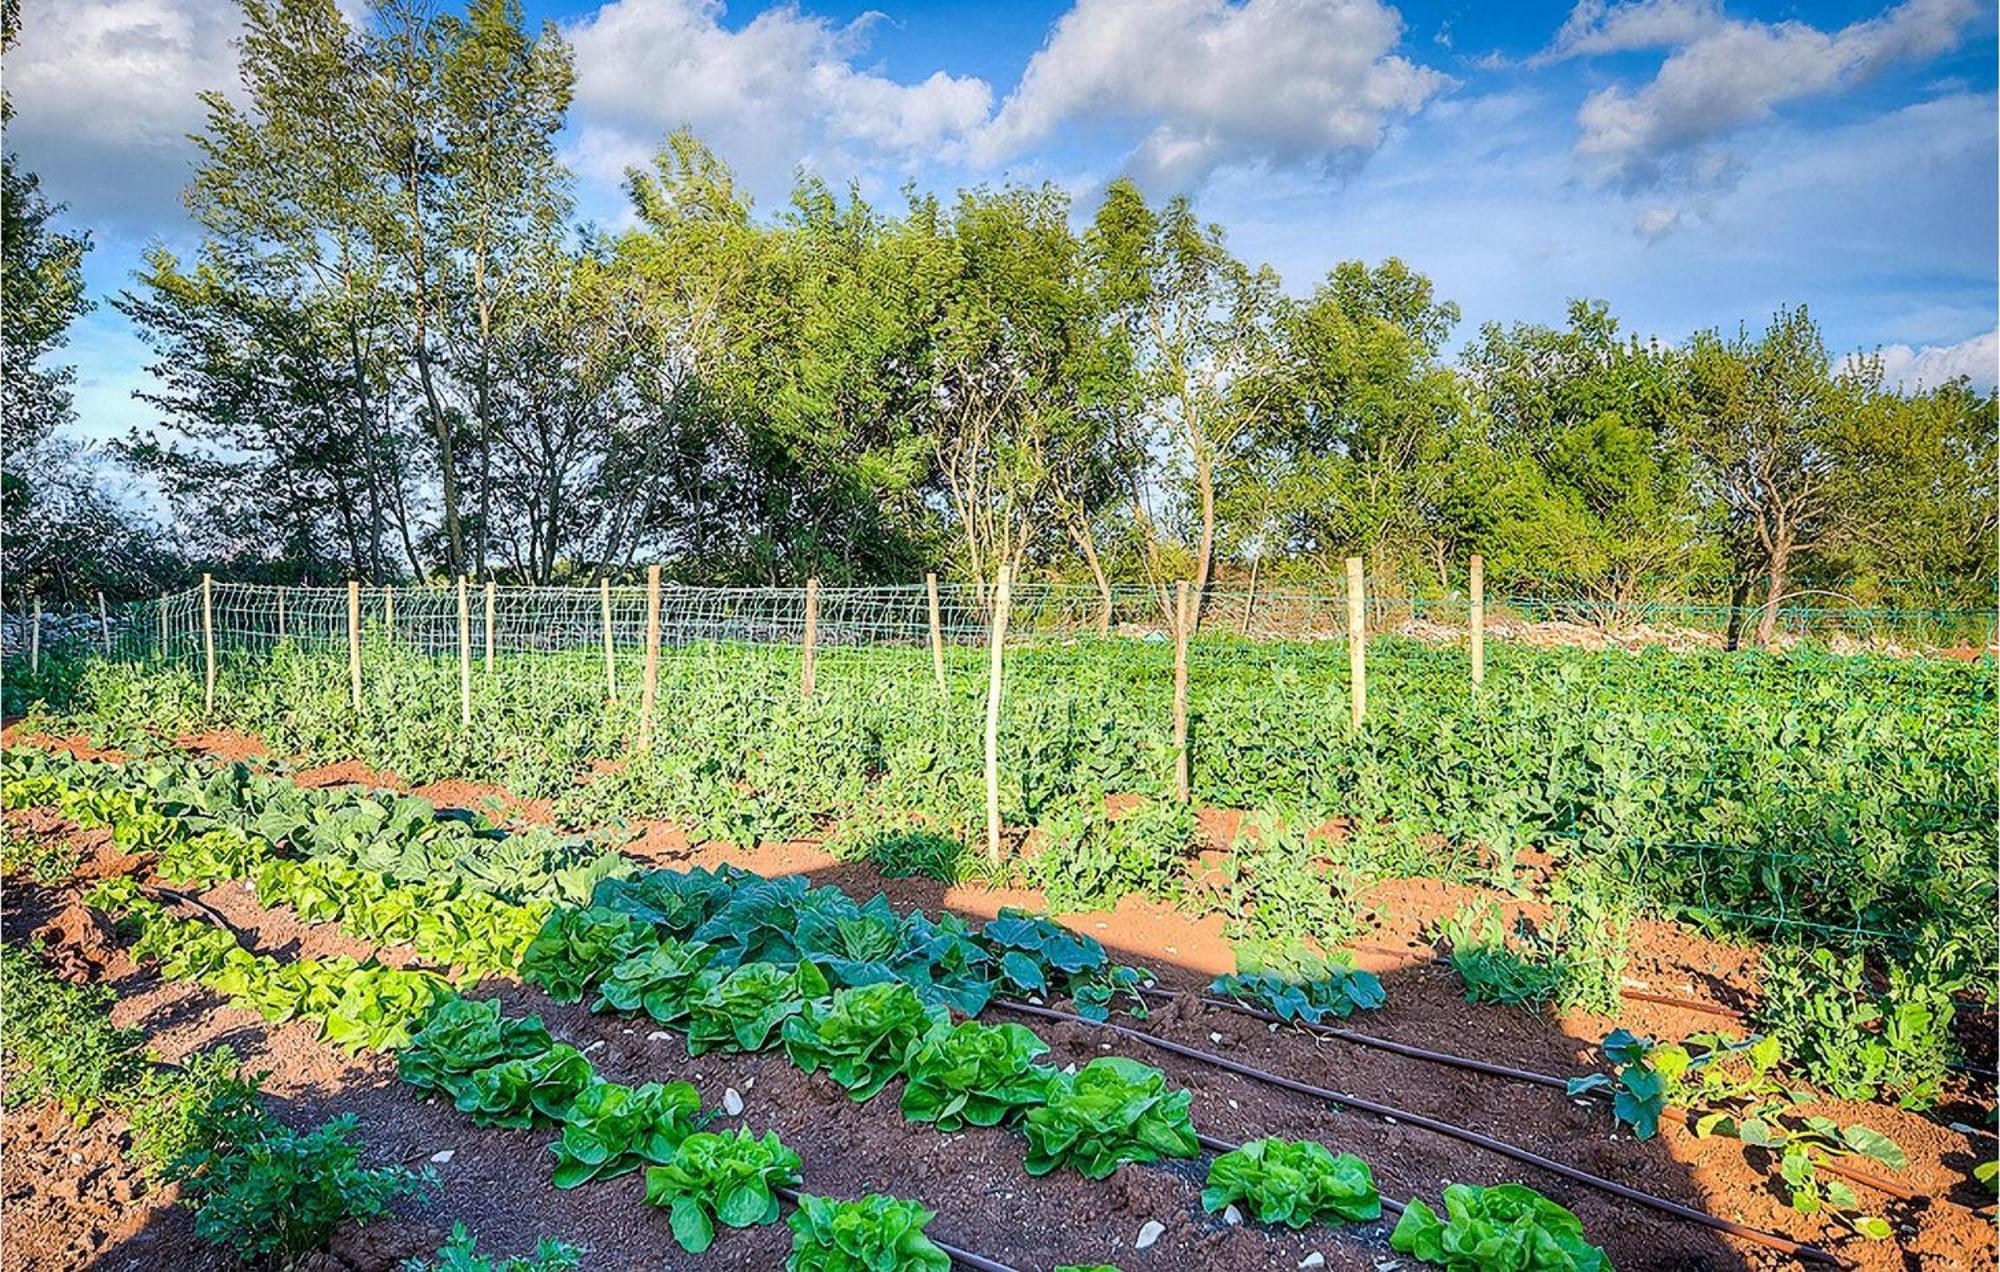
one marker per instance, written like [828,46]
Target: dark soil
[71,1200]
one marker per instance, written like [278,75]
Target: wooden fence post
[354,643]
[1476,624]
[208,643]
[35,638]
[1181,624]
[937,631]
[1357,642]
[104,623]
[1002,596]
[389,608]
[649,689]
[489,626]
[464,655]
[163,627]
[281,611]
[610,654]
[810,650]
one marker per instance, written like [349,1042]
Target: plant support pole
[937,633]
[354,642]
[1002,596]
[389,609]
[464,655]
[610,654]
[1476,624]
[207,644]
[104,624]
[163,627]
[281,612]
[35,637]
[807,666]
[1181,624]
[650,689]
[1357,644]
[489,626]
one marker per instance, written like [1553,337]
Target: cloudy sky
[1694,163]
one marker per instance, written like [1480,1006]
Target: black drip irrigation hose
[964,1258]
[1508,1072]
[1770,1240]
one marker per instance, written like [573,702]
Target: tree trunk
[1739,596]
[1767,623]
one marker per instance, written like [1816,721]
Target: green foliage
[975,1075]
[1505,1226]
[1576,962]
[58,1043]
[860,1036]
[1640,1089]
[1110,1112]
[657,982]
[1275,886]
[874,1234]
[1311,989]
[722,1178]
[612,1129]
[1850,1038]
[179,1111]
[1091,858]
[1293,1182]
[525,1090]
[280,1192]
[899,852]
[464,1037]
[461,1254]
[576,948]
[742,1010]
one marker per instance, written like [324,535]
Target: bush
[179,1112]
[56,1043]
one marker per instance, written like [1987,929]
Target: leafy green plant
[280,1192]
[1277,885]
[577,947]
[1851,1039]
[1505,1226]
[1293,1182]
[1090,858]
[179,1110]
[461,1254]
[657,982]
[860,1036]
[874,1234]
[58,1043]
[975,1075]
[1639,1089]
[743,1009]
[724,1178]
[464,1036]
[522,1091]
[1306,988]
[612,1129]
[1110,1112]
[1575,962]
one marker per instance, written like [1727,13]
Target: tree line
[398,353]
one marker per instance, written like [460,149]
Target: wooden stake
[1181,625]
[1002,596]
[811,648]
[937,632]
[489,627]
[1250,601]
[163,627]
[649,689]
[35,638]
[208,643]
[1357,642]
[1477,623]
[104,623]
[354,642]
[464,655]
[389,608]
[610,654]
[281,612]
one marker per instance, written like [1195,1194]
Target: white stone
[658,1035]
[443,1155]
[1232,1216]
[732,1103]
[1214,1037]
[1152,1232]
[1313,1260]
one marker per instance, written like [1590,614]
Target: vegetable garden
[1661,959]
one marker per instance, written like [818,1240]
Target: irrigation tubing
[1550,1080]
[1757,1236]
[965,1258]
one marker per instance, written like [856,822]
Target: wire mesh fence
[1809,795]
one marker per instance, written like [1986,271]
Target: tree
[1786,439]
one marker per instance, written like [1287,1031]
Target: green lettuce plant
[724,1178]
[1293,1182]
[742,1010]
[975,1075]
[860,1036]
[1110,1112]
[1506,1226]
[577,947]
[657,982]
[612,1129]
[874,1234]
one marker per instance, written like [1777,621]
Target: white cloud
[104,95]
[1271,81]
[1595,26]
[1737,73]
[1978,359]
[782,91]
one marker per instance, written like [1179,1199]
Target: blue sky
[1691,162]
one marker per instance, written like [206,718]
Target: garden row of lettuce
[1112,1111]
[1776,793]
